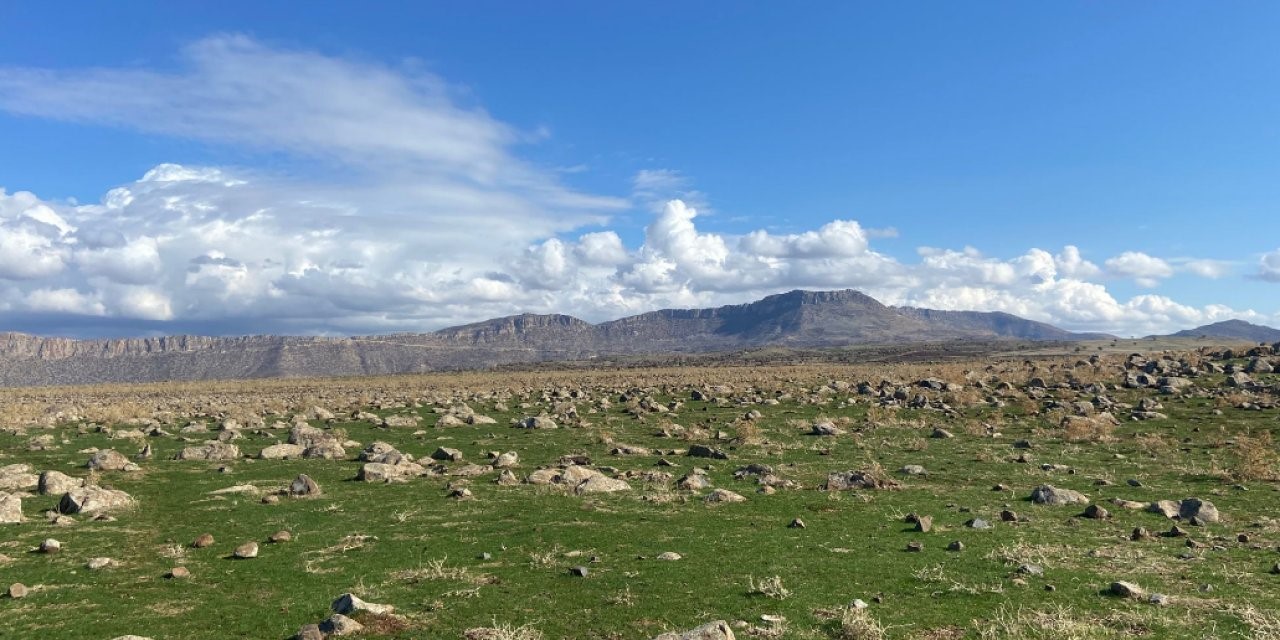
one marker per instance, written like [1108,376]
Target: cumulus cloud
[1144,269]
[434,219]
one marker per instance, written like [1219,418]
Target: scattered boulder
[93,499]
[109,460]
[57,482]
[304,487]
[246,551]
[202,541]
[10,509]
[848,480]
[18,590]
[703,451]
[722,496]
[382,472]
[211,451]
[349,604]
[18,477]
[601,484]
[1053,496]
[825,429]
[446,454]
[718,630]
[537,422]
[1200,509]
[340,625]
[1126,590]
[281,451]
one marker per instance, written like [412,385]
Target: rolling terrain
[798,319]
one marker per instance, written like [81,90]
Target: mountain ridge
[796,318]
[1233,329]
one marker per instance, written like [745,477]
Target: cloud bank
[430,217]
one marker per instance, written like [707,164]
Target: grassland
[502,557]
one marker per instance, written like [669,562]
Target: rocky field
[1079,497]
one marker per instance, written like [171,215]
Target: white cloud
[1269,266]
[434,220]
[1144,269]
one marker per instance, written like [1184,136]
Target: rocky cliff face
[797,318]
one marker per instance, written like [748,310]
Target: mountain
[1232,330]
[793,319]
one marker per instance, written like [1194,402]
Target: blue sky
[349,169]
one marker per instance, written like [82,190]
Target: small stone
[858,604]
[50,546]
[978,523]
[578,571]
[178,573]
[485,556]
[1050,588]
[95,564]
[18,590]
[956,546]
[246,551]
[1275,569]
[915,547]
[271,498]
[280,536]
[1140,534]
[1159,599]
[1008,516]
[796,524]
[202,541]
[669,556]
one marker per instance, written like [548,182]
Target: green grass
[421,551]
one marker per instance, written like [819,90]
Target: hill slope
[793,319]
[1232,329]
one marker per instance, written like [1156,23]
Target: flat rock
[349,604]
[281,451]
[1051,495]
[718,630]
[10,509]
[211,451]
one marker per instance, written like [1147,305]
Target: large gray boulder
[93,499]
[108,460]
[17,477]
[53,483]
[382,472]
[1053,496]
[10,509]
[1197,508]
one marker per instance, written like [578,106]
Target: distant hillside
[797,319]
[1233,330]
